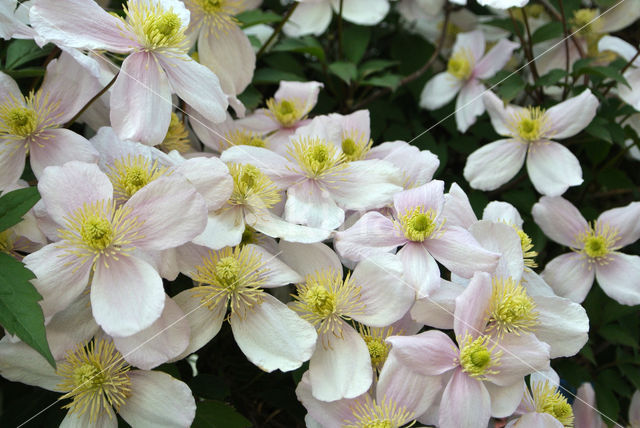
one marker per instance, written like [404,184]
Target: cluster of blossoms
[319,247]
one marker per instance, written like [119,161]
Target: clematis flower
[584,408]
[373,295]
[270,334]
[314,16]
[595,250]
[418,226]
[629,94]
[99,240]
[153,33]
[33,124]
[552,167]
[232,132]
[466,67]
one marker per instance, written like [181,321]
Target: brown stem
[627,65]
[565,29]
[526,48]
[95,97]
[277,30]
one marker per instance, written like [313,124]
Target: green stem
[278,29]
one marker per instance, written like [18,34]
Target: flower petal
[275,227]
[224,228]
[210,177]
[625,221]
[501,116]
[12,159]
[570,276]
[559,220]
[421,272]
[467,403]
[437,309]
[469,104]
[430,196]
[504,240]
[472,306]
[372,233]
[457,208]
[505,399]
[573,115]
[369,184]
[493,165]
[57,147]
[521,355]
[562,324]
[362,12]
[619,278]
[438,91]
[309,258]
[310,205]
[495,59]
[309,18]
[430,353]
[553,168]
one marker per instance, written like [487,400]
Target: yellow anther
[97,232]
[549,400]
[477,359]
[461,64]
[418,224]
[511,309]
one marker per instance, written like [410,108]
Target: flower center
[476,358]
[155,27]
[598,242]
[530,124]
[370,414]
[511,309]
[316,157]
[419,225]
[355,146]
[231,274]
[549,400]
[177,137]
[586,18]
[461,64]
[243,137]
[22,121]
[527,245]
[320,301]
[130,174]
[97,232]
[286,112]
[96,379]
[251,186]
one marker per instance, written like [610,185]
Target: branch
[95,97]
[277,30]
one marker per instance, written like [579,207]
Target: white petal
[437,309]
[570,276]
[466,403]
[57,147]
[311,205]
[309,18]
[275,227]
[505,399]
[625,221]
[553,168]
[502,211]
[573,115]
[620,278]
[495,59]
[372,233]
[438,91]
[362,12]
[21,363]
[309,258]
[224,228]
[563,325]
[493,165]
[469,104]
[559,220]
[210,177]
[421,272]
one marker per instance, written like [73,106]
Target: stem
[277,30]
[340,31]
[416,74]
[565,29]
[95,97]
[527,51]
[608,88]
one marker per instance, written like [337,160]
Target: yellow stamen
[549,400]
[375,338]
[511,309]
[461,64]
[355,146]
[477,358]
[418,225]
[130,174]
[597,243]
[286,112]
[27,117]
[316,157]
[218,15]
[252,187]
[530,124]
[586,22]
[243,137]
[155,27]
[370,414]
[527,245]
[177,137]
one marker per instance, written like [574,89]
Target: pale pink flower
[530,132]
[503,4]
[417,224]
[629,94]
[106,242]
[466,68]
[584,408]
[595,250]
[158,64]
[34,124]
[487,373]
[232,132]
[314,16]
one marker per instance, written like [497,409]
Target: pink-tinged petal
[172,211]
[66,189]
[505,399]
[230,55]
[305,94]
[634,409]
[630,94]
[473,42]
[502,211]
[619,278]
[261,121]
[536,420]
[495,59]
[141,100]
[439,91]
[10,89]
[311,205]
[570,276]
[71,326]
[362,12]
[625,221]
[553,168]
[421,272]
[437,310]
[309,258]
[535,285]
[559,220]
[74,420]
[616,17]
[210,177]
[521,355]
[277,273]
[224,229]
[431,353]
[504,240]
[469,104]
[329,414]
[572,116]
[430,196]
[196,85]
[457,208]
[91,28]
[369,184]
[157,399]
[459,252]
[466,403]
[57,147]
[493,165]
[386,297]
[562,324]
[60,276]
[127,296]
[271,225]
[372,233]
[21,363]
[309,18]
[341,370]
[11,163]
[501,116]
[203,323]
[418,166]
[405,387]
[584,408]
[165,339]
[273,337]
[472,306]
[67,84]
[272,164]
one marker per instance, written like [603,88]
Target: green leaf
[551,78]
[250,97]
[631,373]
[608,72]
[216,414]
[209,386]
[511,87]
[597,128]
[14,205]
[597,150]
[389,80]
[506,24]
[20,313]
[616,334]
[374,66]
[250,18]
[549,31]
[25,72]
[344,70]
[270,75]
[355,40]
[22,51]
[306,44]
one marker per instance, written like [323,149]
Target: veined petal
[431,353]
[309,258]
[573,115]
[277,273]
[437,310]
[127,296]
[303,94]
[498,211]
[12,158]
[141,100]
[438,91]
[57,147]
[562,324]
[501,116]
[74,420]
[559,220]
[210,177]
[309,18]
[570,276]
[272,164]
[521,355]
[372,233]
[457,208]
[469,104]
[430,196]
[273,337]
[625,221]
[553,168]
[505,399]
[494,164]
[631,95]
[620,278]
[309,204]
[21,363]
[472,306]
[369,184]
[504,240]
[275,227]
[467,403]
[421,272]
[224,228]
[495,59]
[362,12]
[473,41]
